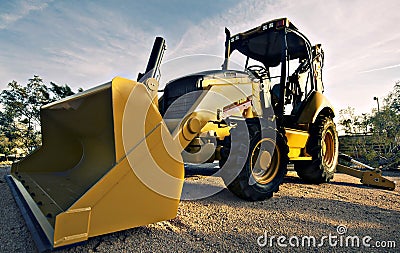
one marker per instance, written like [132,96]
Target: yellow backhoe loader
[113,157]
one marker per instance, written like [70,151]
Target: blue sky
[86,43]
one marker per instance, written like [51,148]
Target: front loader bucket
[87,177]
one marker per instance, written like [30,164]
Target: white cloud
[22,9]
[90,43]
[383,68]
[208,36]
[71,44]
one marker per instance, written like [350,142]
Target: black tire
[252,182]
[323,146]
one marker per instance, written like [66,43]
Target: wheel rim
[265,161]
[328,148]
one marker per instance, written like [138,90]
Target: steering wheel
[259,71]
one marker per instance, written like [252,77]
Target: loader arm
[190,127]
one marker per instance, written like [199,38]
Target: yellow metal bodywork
[237,89]
[89,176]
[220,131]
[370,178]
[314,106]
[296,141]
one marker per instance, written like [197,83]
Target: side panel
[315,104]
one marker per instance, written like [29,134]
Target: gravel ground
[224,223]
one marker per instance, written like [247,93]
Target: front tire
[265,166]
[323,146]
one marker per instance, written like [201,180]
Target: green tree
[351,123]
[21,107]
[386,125]
[393,99]
[5,143]
[375,136]
[60,92]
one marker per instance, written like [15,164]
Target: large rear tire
[265,166]
[323,146]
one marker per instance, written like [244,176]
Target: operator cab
[284,61]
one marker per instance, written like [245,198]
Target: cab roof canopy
[265,43]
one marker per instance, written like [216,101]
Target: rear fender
[316,104]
